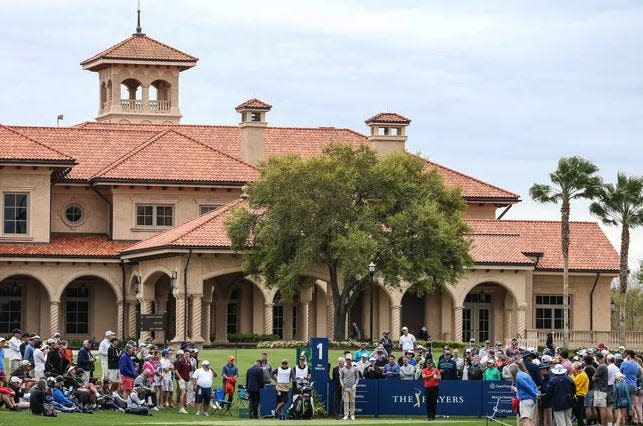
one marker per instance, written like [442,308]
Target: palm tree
[574,178]
[621,204]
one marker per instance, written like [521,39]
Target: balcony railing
[159,106]
[137,105]
[131,105]
[583,339]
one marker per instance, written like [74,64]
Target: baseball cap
[385,332]
[180,352]
[16,331]
[372,358]
[165,352]
[347,356]
[2,339]
[205,362]
[109,333]
[15,379]
[25,362]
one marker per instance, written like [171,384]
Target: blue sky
[497,89]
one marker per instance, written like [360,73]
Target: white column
[395,322]
[457,323]
[131,319]
[120,332]
[54,317]
[267,318]
[196,318]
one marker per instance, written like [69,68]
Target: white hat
[109,333]
[348,356]
[205,362]
[372,358]
[2,339]
[341,358]
[558,370]
[16,379]
[546,358]
[180,352]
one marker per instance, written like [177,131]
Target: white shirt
[203,377]
[166,363]
[407,342]
[39,360]
[612,369]
[102,351]
[283,375]
[301,372]
[13,351]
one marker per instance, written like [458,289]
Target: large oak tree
[341,210]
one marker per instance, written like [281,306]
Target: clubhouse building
[125,215]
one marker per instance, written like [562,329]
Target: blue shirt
[392,371]
[29,354]
[525,386]
[126,365]
[229,371]
[358,354]
[630,370]
[1,359]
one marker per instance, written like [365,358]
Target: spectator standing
[512,351]
[431,377]
[3,375]
[600,386]
[29,348]
[39,359]
[407,340]
[562,392]
[112,360]
[355,333]
[183,369]
[202,380]
[167,374]
[581,381]
[230,374]
[372,371]
[348,378]
[392,369]
[386,342]
[448,368]
[103,348]
[423,334]
[407,371]
[527,393]
[630,369]
[622,400]
[127,370]
[85,360]
[361,364]
[491,372]
[13,349]
[254,384]
[361,351]
[266,367]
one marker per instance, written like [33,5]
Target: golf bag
[302,406]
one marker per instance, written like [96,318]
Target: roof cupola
[252,129]
[388,132]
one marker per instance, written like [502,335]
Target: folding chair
[242,397]
[224,404]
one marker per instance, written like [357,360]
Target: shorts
[600,399]
[610,395]
[203,395]
[182,383]
[282,396]
[166,385]
[527,408]
[127,383]
[589,399]
[632,390]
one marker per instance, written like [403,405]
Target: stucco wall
[96,211]
[480,211]
[186,206]
[35,182]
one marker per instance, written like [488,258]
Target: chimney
[252,130]
[388,132]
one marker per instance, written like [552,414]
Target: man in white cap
[103,348]
[202,380]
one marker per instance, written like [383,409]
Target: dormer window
[154,215]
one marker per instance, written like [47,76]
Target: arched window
[160,96]
[131,95]
[103,96]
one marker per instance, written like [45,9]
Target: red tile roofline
[117,45]
[98,178]
[254,103]
[67,158]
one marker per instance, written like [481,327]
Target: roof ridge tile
[35,141]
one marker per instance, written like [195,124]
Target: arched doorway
[165,303]
[88,308]
[24,304]
[284,318]
[488,313]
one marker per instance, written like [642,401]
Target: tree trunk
[625,248]
[564,230]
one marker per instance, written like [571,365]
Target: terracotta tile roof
[472,188]
[173,157]
[142,48]
[15,146]
[388,117]
[253,103]
[67,245]
[97,145]
[206,231]
[502,242]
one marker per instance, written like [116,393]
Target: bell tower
[138,80]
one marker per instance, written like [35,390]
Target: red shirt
[183,368]
[431,376]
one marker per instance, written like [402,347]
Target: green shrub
[251,337]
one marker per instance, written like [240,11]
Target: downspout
[504,212]
[185,292]
[109,213]
[591,302]
[123,301]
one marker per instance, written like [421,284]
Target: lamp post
[371,273]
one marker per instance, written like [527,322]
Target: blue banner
[497,397]
[366,397]
[319,368]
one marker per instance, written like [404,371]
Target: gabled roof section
[67,245]
[522,242]
[388,117]
[472,189]
[254,103]
[16,147]
[206,231]
[141,48]
[173,157]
